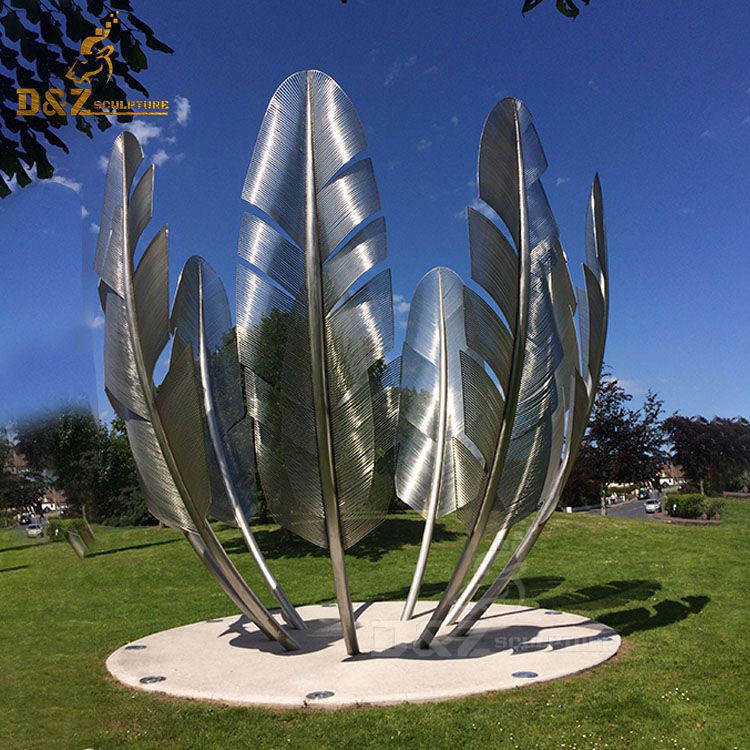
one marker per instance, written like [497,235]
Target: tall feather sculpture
[164,429]
[510,165]
[306,337]
[201,318]
[582,380]
[437,471]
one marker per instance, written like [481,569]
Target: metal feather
[508,422]
[576,402]
[306,339]
[164,429]
[202,320]
[431,418]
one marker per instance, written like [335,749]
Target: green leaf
[12,25]
[568,8]
[30,6]
[153,43]
[77,26]
[50,29]
[133,54]
[95,7]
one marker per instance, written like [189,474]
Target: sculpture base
[229,661]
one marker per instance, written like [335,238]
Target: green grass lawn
[678,595]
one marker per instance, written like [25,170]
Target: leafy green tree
[40,42]
[119,500]
[713,454]
[92,465]
[620,445]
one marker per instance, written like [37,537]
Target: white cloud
[96,322]
[160,157]
[101,163]
[66,183]
[182,103]
[431,69]
[634,387]
[142,130]
[401,307]
[94,228]
[746,121]
[423,144]
[454,121]
[707,134]
[684,211]
[397,68]
[561,181]
[593,85]
[84,211]
[171,139]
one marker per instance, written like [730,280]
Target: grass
[677,594]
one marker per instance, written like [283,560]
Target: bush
[694,505]
[686,506]
[714,507]
[58,528]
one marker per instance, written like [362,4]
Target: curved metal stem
[437,474]
[484,567]
[217,444]
[321,401]
[532,533]
[208,561]
[251,605]
[482,517]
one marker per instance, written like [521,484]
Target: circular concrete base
[228,660]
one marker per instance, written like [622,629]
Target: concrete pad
[230,661]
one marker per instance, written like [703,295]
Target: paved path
[631,509]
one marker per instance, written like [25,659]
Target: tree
[713,454]
[66,444]
[48,35]
[119,500]
[91,464]
[620,445]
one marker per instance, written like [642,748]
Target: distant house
[672,475]
[52,499]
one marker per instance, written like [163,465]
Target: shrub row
[694,506]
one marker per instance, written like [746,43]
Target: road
[630,509]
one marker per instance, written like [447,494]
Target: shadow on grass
[23,546]
[132,547]
[611,594]
[668,612]
[15,567]
[518,591]
[394,534]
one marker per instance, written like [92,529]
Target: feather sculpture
[536,439]
[307,336]
[508,419]
[201,319]
[433,450]
[582,380]
[164,429]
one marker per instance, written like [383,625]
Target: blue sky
[657,100]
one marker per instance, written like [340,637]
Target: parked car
[25,519]
[653,505]
[643,494]
[34,530]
